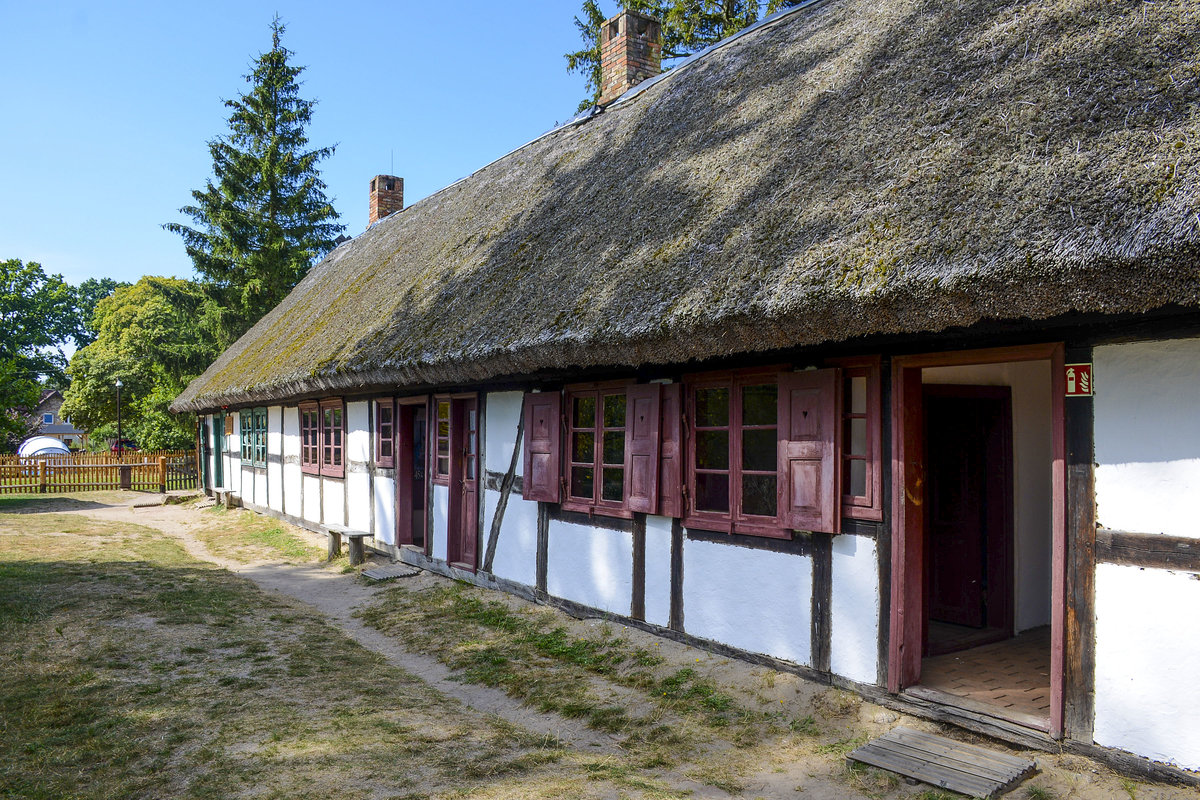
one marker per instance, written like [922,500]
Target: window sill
[596,511]
[719,525]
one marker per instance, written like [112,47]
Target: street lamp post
[119,440]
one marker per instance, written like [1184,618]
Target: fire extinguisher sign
[1079,380]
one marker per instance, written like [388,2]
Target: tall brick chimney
[630,52]
[387,197]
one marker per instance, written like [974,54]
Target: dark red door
[464,482]
[969,469]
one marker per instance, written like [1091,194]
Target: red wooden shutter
[642,417]
[543,411]
[810,492]
[670,476]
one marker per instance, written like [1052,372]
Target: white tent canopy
[42,446]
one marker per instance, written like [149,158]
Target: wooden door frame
[454,521]
[908,487]
[403,469]
[1001,558]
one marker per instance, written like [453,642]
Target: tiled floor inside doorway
[1013,676]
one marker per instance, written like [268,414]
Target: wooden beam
[1153,550]
[822,601]
[676,619]
[637,605]
[1079,696]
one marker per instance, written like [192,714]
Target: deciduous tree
[37,314]
[155,335]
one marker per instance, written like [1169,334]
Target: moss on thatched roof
[862,167]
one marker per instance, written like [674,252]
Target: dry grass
[130,670]
[244,536]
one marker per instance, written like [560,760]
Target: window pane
[614,484]
[712,407]
[470,468]
[857,437]
[758,495]
[584,415]
[614,447]
[584,447]
[712,492]
[856,477]
[385,448]
[582,482]
[443,466]
[472,424]
[443,447]
[759,449]
[712,449]
[614,411]
[758,405]
[443,412]
[856,392]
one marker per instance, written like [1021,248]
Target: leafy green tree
[155,336]
[87,295]
[263,219]
[37,314]
[688,26]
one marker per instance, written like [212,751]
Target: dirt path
[336,596]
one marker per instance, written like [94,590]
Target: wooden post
[42,477]
[162,474]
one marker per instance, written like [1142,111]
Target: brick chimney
[387,197]
[630,52]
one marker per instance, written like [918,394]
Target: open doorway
[977,594]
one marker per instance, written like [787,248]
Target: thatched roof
[861,167]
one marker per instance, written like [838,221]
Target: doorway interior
[977,595]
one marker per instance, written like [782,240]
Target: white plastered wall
[275,458]
[502,416]
[441,506]
[854,650]
[233,461]
[358,457]
[292,498]
[1147,430]
[516,546]
[384,519]
[755,600]
[1147,649]
[658,570]
[1032,411]
[590,566]
[333,501]
[311,494]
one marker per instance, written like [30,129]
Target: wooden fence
[40,475]
[129,457]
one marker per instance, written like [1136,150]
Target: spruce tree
[263,219]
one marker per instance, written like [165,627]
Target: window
[441,459]
[734,461]
[254,436]
[385,433]
[861,449]
[47,419]
[332,435]
[310,438]
[595,463]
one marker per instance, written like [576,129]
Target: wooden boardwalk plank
[966,768]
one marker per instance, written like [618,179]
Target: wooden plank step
[965,768]
[390,571]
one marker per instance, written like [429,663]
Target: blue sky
[107,109]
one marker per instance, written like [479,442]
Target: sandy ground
[337,594]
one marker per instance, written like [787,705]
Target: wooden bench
[226,498]
[354,540]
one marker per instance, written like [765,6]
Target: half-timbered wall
[359,437]
[1147,450]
